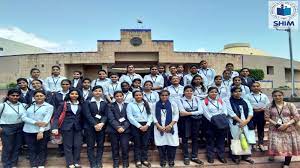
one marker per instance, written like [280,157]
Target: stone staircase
[260,158]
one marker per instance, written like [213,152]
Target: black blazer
[22,98]
[71,120]
[249,82]
[91,110]
[89,97]
[57,99]
[79,84]
[114,115]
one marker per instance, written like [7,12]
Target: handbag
[220,121]
[57,139]
[237,146]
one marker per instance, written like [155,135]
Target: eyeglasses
[14,95]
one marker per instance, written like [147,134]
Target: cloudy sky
[76,25]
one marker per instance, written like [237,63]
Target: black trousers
[37,149]
[72,145]
[194,134]
[11,144]
[118,140]
[93,137]
[167,153]
[259,123]
[215,138]
[141,141]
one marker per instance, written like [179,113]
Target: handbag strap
[2,110]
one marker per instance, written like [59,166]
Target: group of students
[166,108]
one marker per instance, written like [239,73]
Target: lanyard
[55,82]
[191,106]
[279,113]
[126,96]
[206,70]
[199,93]
[153,80]
[256,99]
[131,77]
[149,99]
[14,108]
[175,89]
[86,94]
[227,83]
[35,110]
[217,106]
[140,108]
[114,88]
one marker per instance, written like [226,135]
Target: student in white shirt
[175,89]
[140,117]
[102,79]
[237,82]
[112,86]
[11,126]
[212,106]
[172,72]
[53,82]
[130,75]
[165,117]
[37,129]
[35,74]
[150,96]
[209,73]
[200,89]
[223,91]
[230,67]
[259,102]
[190,124]
[180,70]
[155,78]
[127,94]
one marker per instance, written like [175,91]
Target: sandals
[146,163]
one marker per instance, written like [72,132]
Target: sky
[194,25]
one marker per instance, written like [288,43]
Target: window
[270,70]
[1,49]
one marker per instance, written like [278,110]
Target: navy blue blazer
[114,115]
[90,95]
[79,84]
[91,110]
[22,98]
[249,82]
[29,96]
[57,99]
[71,120]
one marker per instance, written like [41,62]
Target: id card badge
[122,119]
[98,116]
[279,121]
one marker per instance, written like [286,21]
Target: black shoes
[186,161]
[210,160]
[196,160]
[146,163]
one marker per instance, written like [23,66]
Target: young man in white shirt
[155,78]
[209,73]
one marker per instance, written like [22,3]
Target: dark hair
[179,65]
[101,70]
[41,82]
[84,79]
[125,83]
[34,69]
[113,73]
[256,82]
[234,88]
[188,87]
[148,82]
[172,66]
[78,72]
[217,76]
[202,61]
[273,101]
[212,88]
[225,71]
[55,66]
[201,84]
[152,66]
[244,69]
[22,79]
[97,87]
[39,91]
[173,77]
[128,66]
[146,104]
[12,91]
[66,80]
[193,65]
[164,91]
[118,91]
[229,64]
[80,98]
[136,79]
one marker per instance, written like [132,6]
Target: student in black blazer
[246,78]
[23,87]
[86,89]
[119,129]
[58,97]
[95,116]
[77,80]
[71,127]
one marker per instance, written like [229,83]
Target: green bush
[11,85]
[257,74]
